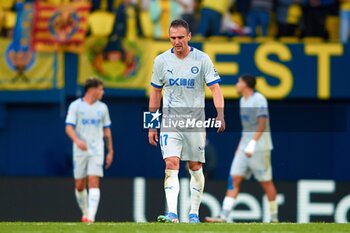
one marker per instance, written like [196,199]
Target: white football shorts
[259,164]
[87,165]
[188,146]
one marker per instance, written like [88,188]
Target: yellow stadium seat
[7,4]
[10,19]
[146,24]
[101,23]
[332,26]
[237,18]
[294,14]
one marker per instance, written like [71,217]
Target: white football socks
[196,187]
[227,206]
[273,211]
[94,199]
[82,199]
[171,188]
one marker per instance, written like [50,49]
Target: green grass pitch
[49,227]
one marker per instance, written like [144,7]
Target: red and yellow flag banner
[60,28]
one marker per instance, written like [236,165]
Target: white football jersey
[89,121]
[251,109]
[183,79]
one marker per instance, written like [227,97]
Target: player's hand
[81,144]
[153,137]
[223,124]
[250,148]
[109,159]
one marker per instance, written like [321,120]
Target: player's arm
[154,104]
[107,134]
[70,131]
[219,104]
[262,121]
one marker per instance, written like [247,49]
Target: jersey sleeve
[106,119]
[157,76]
[71,118]
[211,76]
[262,108]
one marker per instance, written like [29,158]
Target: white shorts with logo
[188,146]
[258,164]
[87,165]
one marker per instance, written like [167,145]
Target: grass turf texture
[49,227]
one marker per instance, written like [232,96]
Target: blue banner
[284,71]
[310,70]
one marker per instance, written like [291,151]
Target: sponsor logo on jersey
[184,82]
[90,121]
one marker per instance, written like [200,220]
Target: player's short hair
[92,82]
[249,79]
[180,23]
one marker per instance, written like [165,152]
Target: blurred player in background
[182,72]
[253,155]
[88,126]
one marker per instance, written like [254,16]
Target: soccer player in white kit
[253,155]
[182,72]
[88,126]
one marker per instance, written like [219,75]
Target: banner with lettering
[302,70]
